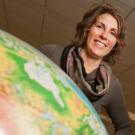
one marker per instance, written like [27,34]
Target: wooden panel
[123,8]
[58,29]
[85,4]
[3,21]
[50,37]
[131,22]
[36,5]
[118,68]
[65,8]
[128,79]
[127,57]
[128,2]
[131,40]
[41,2]
[24,22]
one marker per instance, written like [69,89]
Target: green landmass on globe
[37,98]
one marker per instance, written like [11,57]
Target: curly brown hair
[90,18]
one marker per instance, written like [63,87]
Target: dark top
[113,101]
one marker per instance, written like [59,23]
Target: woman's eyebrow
[99,22]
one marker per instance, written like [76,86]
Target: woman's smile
[100,44]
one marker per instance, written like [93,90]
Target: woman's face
[102,36]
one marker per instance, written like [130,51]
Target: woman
[98,40]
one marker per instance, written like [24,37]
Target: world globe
[37,98]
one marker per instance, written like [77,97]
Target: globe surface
[37,98]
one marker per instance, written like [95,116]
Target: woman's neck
[89,63]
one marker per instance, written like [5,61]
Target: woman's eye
[99,26]
[114,34]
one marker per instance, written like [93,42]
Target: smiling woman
[99,38]
[100,41]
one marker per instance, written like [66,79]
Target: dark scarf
[72,64]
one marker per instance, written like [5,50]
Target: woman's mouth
[100,44]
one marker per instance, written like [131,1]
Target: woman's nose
[104,35]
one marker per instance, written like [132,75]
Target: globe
[37,98]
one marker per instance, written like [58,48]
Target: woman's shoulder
[115,90]
[115,81]
[53,51]
[49,48]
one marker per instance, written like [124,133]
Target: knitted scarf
[72,64]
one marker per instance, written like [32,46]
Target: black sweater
[113,101]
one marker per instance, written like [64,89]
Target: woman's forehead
[108,19]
